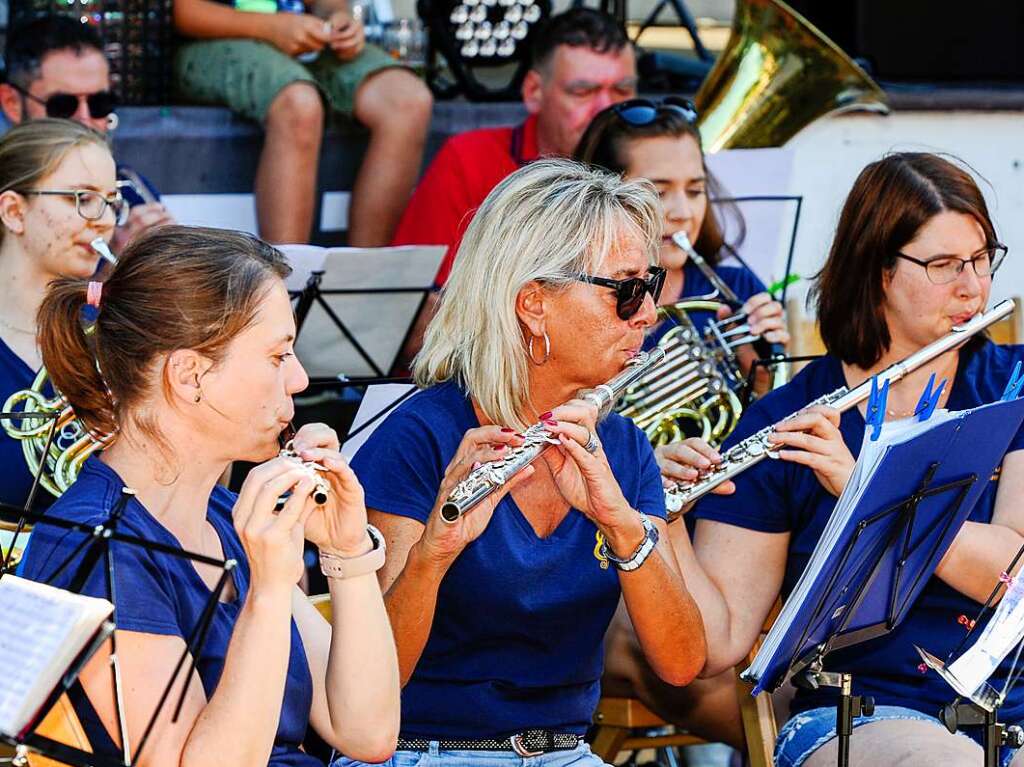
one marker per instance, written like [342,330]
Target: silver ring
[592,443]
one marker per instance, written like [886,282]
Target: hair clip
[93,294]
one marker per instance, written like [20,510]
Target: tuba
[776,75]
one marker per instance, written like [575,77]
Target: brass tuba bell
[777,74]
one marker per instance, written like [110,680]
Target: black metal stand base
[962,713]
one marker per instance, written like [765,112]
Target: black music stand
[95,547]
[890,549]
[342,291]
[6,557]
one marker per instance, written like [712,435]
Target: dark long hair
[604,143]
[889,203]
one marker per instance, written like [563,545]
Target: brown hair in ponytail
[176,287]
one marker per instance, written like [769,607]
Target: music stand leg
[848,706]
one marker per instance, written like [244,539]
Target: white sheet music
[44,629]
[377,399]
[378,321]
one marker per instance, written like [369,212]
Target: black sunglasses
[64,105]
[629,294]
[640,112]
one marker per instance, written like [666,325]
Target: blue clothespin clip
[929,399]
[875,416]
[1014,385]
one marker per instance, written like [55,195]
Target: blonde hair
[32,150]
[551,222]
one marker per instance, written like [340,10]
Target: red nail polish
[550,423]
[545,416]
[498,447]
[506,430]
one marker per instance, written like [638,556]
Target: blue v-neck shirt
[785,497]
[516,641]
[161,594]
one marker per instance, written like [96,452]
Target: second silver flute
[758,446]
[487,478]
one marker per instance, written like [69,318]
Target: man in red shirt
[582,63]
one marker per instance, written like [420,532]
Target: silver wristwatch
[643,551]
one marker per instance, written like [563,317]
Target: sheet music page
[377,399]
[304,260]
[378,321]
[44,630]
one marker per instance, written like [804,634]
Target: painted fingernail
[545,416]
[498,447]
[550,423]
[506,430]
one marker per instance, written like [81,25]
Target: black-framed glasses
[945,269]
[64,105]
[630,293]
[640,112]
[89,204]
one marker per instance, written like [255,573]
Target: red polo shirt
[460,176]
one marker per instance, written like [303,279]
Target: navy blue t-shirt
[15,478]
[516,641]
[744,284]
[780,496]
[161,594]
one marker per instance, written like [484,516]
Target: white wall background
[828,155]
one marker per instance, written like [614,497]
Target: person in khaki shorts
[247,61]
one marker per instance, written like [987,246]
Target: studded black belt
[526,743]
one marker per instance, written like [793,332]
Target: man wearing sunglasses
[582,62]
[56,68]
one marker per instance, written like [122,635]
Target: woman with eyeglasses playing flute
[659,141]
[913,256]
[190,366]
[58,193]
[499,617]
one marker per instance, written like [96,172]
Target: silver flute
[758,446]
[728,294]
[487,478]
[321,488]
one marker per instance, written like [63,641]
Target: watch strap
[333,566]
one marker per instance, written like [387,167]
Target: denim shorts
[808,731]
[581,756]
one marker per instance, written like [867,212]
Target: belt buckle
[520,749]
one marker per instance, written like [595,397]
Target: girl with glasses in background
[58,193]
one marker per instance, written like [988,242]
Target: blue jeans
[808,731]
[581,756]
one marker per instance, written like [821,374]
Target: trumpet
[758,446]
[487,478]
[321,488]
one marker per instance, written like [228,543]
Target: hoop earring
[547,349]
[112,122]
